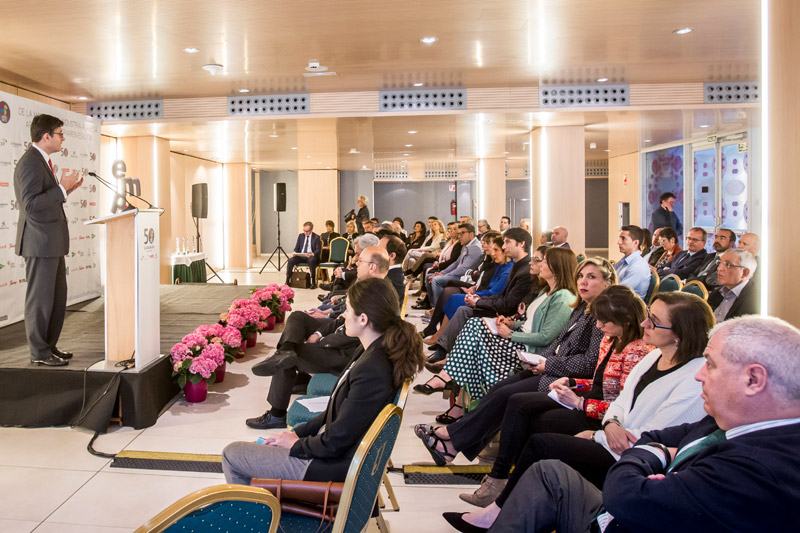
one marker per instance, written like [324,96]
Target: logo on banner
[5,113]
[149,236]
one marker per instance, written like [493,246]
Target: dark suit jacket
[664,218]
[517,287]
[748,483]
[362,393]
[42,227]
[316,244]
[746,304]
[683,264]
[395,275]
[710,258]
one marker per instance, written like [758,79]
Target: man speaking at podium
[43,239]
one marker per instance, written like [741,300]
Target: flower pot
[242,349]
[251,340]
[281,318]
[220,372]
[196,392]
[271,322]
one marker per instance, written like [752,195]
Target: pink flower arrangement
[202,366]
[228,337]
[247,316]
[194,359]
[277,298]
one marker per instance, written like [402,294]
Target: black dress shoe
[280,360]
[62,355]
[422,306]
[325,286]
[438,355]
[53,360]
[459,524]
[267,421]
[313,286]
[322,297]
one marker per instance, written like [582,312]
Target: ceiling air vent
[132,110]
[423,100]
[268,104]
[441,171]
[731,92]
[584,95]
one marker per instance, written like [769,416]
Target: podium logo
[149,236]
[5,113]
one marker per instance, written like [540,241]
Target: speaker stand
[199,249]
[278,250]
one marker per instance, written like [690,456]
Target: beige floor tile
[58,527]
[17,526]
[34,493]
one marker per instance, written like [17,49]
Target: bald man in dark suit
[43,239]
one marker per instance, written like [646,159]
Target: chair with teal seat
[363,479]
[319,385]
[218,508]
[652,289]
[670,283]
[697,288]
[337,256]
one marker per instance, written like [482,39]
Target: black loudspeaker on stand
[200,210]
[280,206]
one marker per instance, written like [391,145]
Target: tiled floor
[49,483]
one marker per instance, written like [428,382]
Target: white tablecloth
[185,259]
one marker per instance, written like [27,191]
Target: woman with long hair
[417,237]
[428,247]
[572,354]
[660,392]
[392,354]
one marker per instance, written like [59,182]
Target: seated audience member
[647,242]
[559,237]
[467,260]
[426,250]
[687,261]
[525,223]
[485,350]
[632,270]
[656,251]
[312,346]
[489,278]
[368,226]
[390,352]
[399,227]
[483,227]
[505,223]
[306,250]
[417,238]
[466,219]
[573,354]
[444,258]
[619,314]
[397,252]
[735,470]
[516,245]
[737,294]
[668,240]
[660,392]
[351,232]
[344,276]
[752,243]
[706,273]
[326,239]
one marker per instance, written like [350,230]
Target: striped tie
[708,440]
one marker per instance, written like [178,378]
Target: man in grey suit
[43,239]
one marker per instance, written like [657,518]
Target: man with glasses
[467,260]
[706,273]
[312,346]
[43,239]
[737,296]
[687,260]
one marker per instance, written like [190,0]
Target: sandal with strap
[428,390]
[430,440]
[445,418]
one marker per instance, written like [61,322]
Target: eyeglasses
[60,133]
[652,323]
[462,232]
[359,261]
[693,239]
[728,264]
[536,260]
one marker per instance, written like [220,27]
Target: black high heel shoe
[445,418]
[427,390]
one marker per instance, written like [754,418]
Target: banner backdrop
[80,154]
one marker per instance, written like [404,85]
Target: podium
[132,313]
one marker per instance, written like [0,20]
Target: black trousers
[312,358]
[473,431]
[588,458]
[295,260]
[531,413]
[45,303]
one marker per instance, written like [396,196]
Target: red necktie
[50,162]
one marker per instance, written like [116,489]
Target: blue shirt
[634,272]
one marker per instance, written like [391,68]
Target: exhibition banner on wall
[80,154]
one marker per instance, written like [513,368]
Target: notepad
[315,405]
[530,358]
[491,323]
[553,395]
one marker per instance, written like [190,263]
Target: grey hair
[364,199]
[746,259]
[367,240]
[768,341]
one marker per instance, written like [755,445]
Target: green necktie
[708,440]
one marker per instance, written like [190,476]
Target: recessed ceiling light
[705,125]
[294,147]
[308,157]
[592,146]
[412,132]
[648,141]
[82,98]
[409,145]
[682,31]
[186,150]
[191,50]
[353,151]
[274,135]
[319,162]
[419,84]
[244,90]
[602,80]
[212,68]
[506,153]
[405,155]
[430,39]
[606,150]
[327,167]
